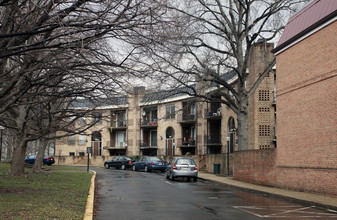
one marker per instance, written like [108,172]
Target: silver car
[182,167]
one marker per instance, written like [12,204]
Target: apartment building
[167,123]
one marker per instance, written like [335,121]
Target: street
[129,195]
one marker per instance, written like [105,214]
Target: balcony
[149,124]
[118,125]
[143,145]
[212,141]
[213,115]
[187,118]
[183,142]
[120,146]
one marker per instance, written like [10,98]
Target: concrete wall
[82,161]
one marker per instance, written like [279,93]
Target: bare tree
[54,52]
[199,42]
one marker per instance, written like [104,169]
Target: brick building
[307,100]
[167,123]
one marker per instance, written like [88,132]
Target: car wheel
[123,167]
[106,166]
[134,167]
[195,179]
[171,177]
[146,169]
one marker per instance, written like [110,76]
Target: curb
[89,208]
[303,197]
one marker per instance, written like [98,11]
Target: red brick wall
[323,181]
[255,166]
[259,167]
[307,113]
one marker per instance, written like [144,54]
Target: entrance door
[170,141]
[169,144]
[231,142]
[95,145]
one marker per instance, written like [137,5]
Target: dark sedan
[30,159]
[150,163]
[119,162]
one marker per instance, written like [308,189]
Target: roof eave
[321,22]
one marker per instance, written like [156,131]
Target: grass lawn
[51,195]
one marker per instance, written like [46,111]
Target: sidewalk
[316,199]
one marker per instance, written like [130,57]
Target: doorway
[96,142]
[170,142]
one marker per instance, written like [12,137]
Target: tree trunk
[243,123]
[18,164]
[37,167]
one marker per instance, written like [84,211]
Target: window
[71,153]
[153,138]
[82,121]
[264,146]
[263,95]
[193,109]
[264,109]
[121,119]
[81,154]
[71,140]
[264,130]
[121,139]
[97,117]
[185,161]
[82,140]
[193,133]
[170,111]
[154,116]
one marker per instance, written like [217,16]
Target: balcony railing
[184,142]
[185,118]
[209,140]
[119,124]
[149,123]
[144,145]
[213,115]
[120,145]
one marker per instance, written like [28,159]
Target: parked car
[182,167]
[30,159]
[150,163]
[119,162]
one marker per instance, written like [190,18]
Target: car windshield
[155,159]
[185,162]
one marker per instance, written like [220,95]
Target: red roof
[310,17]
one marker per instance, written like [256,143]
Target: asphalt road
[129,195]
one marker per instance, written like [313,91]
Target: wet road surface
[129,195]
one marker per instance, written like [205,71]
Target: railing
[119,124]
[186,142]
[152,122]
[213,114]
[186,118]
[146,145]
[120,145]
[209,140]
